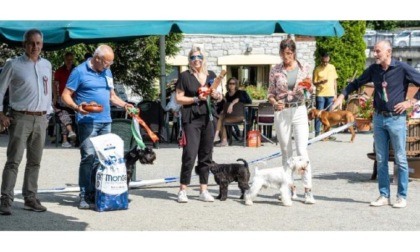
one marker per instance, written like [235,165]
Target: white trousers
[294,121]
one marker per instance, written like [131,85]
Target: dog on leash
[278,178]
[145,156]
[224,174]
[333,118]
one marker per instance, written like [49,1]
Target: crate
[414,167]
[412,147]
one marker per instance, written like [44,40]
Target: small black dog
[224,174]
[145,156]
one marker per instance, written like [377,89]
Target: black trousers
[200,135]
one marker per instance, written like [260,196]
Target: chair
[238,110]
[172,131]
[265,118]
[56,124]
[122,128]
[153,115]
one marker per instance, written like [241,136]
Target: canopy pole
[162,49]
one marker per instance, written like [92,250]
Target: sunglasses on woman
[195,57]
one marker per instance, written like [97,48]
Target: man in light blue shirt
[28,78]
[89,82]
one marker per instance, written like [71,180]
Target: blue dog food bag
[111,177]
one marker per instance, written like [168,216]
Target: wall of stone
[226,45]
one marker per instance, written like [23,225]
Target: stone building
[248,58]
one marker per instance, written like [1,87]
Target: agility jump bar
[133,184]
[311,141]
[143,183]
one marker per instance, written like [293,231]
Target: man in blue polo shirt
[391,79]
[92,81]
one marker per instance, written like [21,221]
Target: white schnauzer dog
[279,178]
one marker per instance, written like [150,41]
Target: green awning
[59,34]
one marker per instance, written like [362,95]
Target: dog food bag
[111,177]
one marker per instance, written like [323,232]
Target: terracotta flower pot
[363,124]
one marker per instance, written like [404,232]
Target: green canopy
[59,34]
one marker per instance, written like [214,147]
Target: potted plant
[364,113]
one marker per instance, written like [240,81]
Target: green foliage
[408,23]
[137,63]
[256,93]
[382,25]
[347,53]
[7,52]
[365,109]
[57,57]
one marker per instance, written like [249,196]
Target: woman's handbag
[182,139]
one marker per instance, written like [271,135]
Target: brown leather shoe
[34,204]
[5,206]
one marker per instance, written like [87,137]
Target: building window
[173,74]
[256,75]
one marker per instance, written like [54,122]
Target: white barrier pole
[142,183]
[133,184]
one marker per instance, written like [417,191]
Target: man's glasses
[107,63]
[195,57]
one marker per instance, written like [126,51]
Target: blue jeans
[89,161]
[322,102]
[392,129]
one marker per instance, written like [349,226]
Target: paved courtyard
[342,189]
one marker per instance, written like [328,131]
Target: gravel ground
[341,186]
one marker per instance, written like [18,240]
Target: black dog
[145,156]
[224,174]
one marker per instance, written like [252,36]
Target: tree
[137,62]
[382,25]
[347,53]
[57,57]
[7,52]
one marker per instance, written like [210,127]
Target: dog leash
[134,113]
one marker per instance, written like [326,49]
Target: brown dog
[329,119]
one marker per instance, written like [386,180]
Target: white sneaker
[72,135]
[182,196]
[66,145]
[309,198]
[206,196]
[381,201]
[401,203]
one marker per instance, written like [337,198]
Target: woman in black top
[198,113]
[232,96]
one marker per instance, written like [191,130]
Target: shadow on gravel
[351,177]
[23,220]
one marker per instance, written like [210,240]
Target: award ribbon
[45,81]
[384,91]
